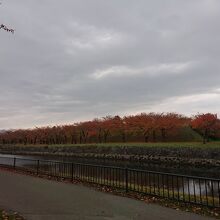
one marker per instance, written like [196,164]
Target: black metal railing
[188,189]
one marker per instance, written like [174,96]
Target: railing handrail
[136,180]
[116,167]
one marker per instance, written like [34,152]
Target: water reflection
[144,180]
[211,172]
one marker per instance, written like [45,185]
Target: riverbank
[195,154]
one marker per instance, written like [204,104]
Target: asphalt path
[40,199]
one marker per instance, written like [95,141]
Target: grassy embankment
[212,144]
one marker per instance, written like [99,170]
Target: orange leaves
[207,124]
[152,123]
[140,127]
[203,121]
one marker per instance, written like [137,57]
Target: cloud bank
[76,60]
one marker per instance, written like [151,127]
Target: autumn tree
[170,122]
[107,126]
[86,130]
[97,125]
[71,133]
[155,123]
[151,126]
[206,124]
[141,123]
[120,127]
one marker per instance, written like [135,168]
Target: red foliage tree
[206,124]
[97,125]
[169,122]
[106,127]
[121,127]
[142,124]
[151,126]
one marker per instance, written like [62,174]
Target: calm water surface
[212,172]
[193,186]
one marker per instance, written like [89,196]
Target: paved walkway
[39,199]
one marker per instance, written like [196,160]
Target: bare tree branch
[2,26]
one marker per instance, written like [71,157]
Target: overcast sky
[73,60]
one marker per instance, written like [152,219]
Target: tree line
[142,127]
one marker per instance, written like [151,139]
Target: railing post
[126,179]
[72,172]
[38,163]
[14,164]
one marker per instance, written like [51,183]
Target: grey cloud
[47,67]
